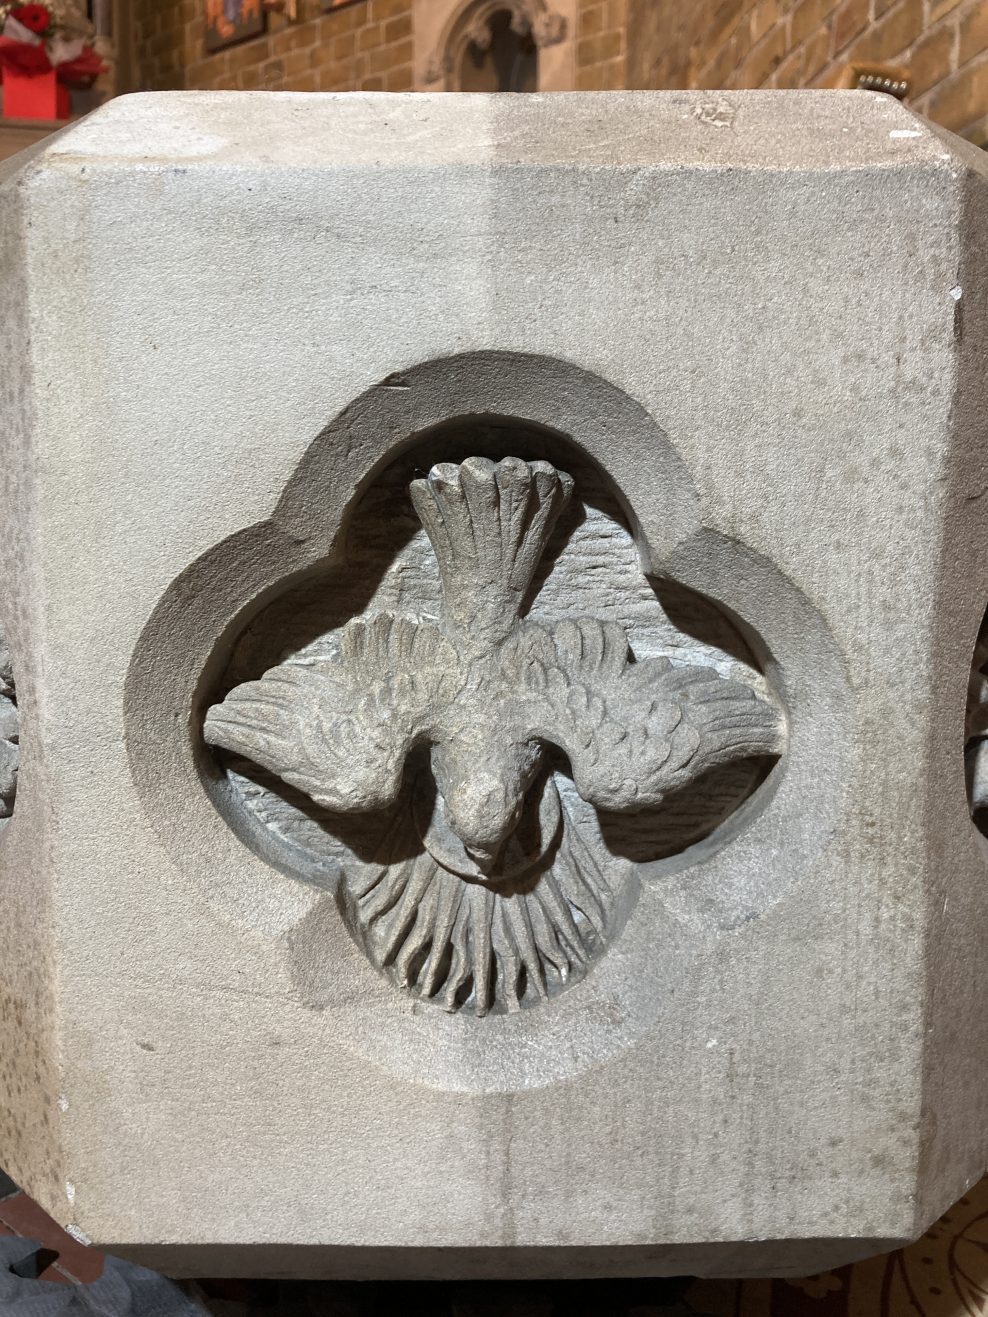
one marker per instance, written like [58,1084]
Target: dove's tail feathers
[489,524]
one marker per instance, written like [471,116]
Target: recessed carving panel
[478,723]
[9,733]
[976,731]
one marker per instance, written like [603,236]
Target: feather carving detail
[341,729]
[504,901]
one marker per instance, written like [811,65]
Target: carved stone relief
[9,734]
[482,768]
[976,731]
[472,26]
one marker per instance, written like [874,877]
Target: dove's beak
[484,858]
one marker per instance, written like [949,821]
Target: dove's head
[483,793]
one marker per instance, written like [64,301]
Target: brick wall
[638,43]
[809,43]
[365,46]
[600,45]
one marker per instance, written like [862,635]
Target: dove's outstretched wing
[634,731]
[340,729]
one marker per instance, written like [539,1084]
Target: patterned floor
[46,1273]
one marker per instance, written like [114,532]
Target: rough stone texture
[236,318]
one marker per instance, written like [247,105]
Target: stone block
[491,587]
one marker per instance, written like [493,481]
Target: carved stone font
[492,748]
[488,890]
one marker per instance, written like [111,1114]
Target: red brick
[382,9]
[763,60]
[299,61]
[335,78]
[790,71]
[973,33]
[598,50]
[22,1216]
[272,75]
[717,72]
[961,100]
[370,36]
[322,56]
[888,39]
[590,21]
[830,76]
[600,77]
[341,20]
[850,19]
[807,17]
[764,16]
[817,55]
[245,57]
[724,18]
[389,57]
[291,38]
[398,29]
[930,60]
[399,79]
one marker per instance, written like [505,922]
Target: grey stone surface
[754,342]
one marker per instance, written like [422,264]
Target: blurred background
[933,54]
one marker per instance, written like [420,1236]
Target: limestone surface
[491,588]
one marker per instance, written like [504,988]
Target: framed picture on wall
[336,4]
[230,21]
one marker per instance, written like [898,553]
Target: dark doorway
[508,62]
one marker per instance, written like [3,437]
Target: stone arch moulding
[679,904]
[444,29]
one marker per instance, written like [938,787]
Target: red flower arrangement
[18,57]
[39,39]
[35,18]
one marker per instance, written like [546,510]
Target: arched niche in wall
[495,45]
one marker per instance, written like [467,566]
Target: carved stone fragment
[9,733]
[506,903]
[471,25]
[976,731]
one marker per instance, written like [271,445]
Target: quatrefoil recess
[487,889]
[507,703]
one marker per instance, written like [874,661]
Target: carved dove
[487,691]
